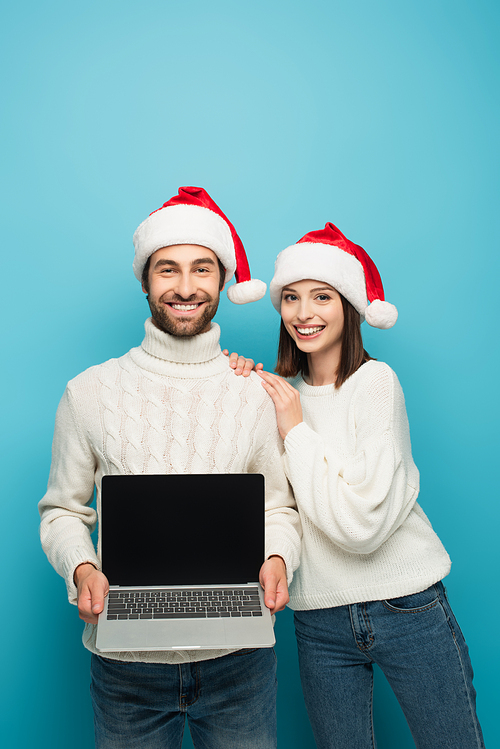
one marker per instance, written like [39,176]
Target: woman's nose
[304,312]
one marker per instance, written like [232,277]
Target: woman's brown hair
[292,361]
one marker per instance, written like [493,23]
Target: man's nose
[185,286]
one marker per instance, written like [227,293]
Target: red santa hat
[192,217]
[327,255]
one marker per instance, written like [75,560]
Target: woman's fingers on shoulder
[266,381]
[277,389]
[242,365]
[269,376]
[245,366]
[278,382]
[271,384]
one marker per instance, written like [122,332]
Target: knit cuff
[297,436]
[287,551]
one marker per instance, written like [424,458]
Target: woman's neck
[323,367]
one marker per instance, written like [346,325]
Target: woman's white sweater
[365,537]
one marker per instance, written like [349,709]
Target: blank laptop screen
[198,529]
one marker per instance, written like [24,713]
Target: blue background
[379,116]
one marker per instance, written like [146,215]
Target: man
[172,405]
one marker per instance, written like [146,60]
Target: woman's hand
[241,365]
[286,401]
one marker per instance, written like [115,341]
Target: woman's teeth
[309,331]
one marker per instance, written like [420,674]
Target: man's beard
[177,326]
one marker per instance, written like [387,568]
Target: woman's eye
[290,298]
[322,297]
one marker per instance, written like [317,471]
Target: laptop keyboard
[184,604]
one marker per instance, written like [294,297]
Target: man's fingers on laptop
[92,588]
[85,605]
[273,580]
[282,596]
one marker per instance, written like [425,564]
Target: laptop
[182,554]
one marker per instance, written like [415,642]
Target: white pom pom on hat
[327,255]
[192,217]
[381,314]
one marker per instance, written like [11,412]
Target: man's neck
[189,356]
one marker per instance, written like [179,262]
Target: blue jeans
[230,702]
[416,642]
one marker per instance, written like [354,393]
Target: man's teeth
[184,307]
[309,331]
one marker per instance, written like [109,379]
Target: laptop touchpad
[183,635]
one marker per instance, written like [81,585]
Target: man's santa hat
[192,217]
[326,255]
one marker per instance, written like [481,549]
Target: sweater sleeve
[359,499]
[67,519]
[283,527]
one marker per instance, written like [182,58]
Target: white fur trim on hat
[320,262]
[184,224]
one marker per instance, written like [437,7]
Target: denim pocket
[414,603]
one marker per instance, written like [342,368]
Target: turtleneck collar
[189,357]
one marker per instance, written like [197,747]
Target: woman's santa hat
[326,255]
[192,217]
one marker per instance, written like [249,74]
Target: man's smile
[184,309]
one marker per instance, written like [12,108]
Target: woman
[368,589]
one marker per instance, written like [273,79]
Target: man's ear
[145,276]
[222,275]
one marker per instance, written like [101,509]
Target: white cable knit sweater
[171,405]
[365,537]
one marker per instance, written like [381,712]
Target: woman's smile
[306,331]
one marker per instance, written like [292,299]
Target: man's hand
[241,365]
[92,587]
[273,579]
